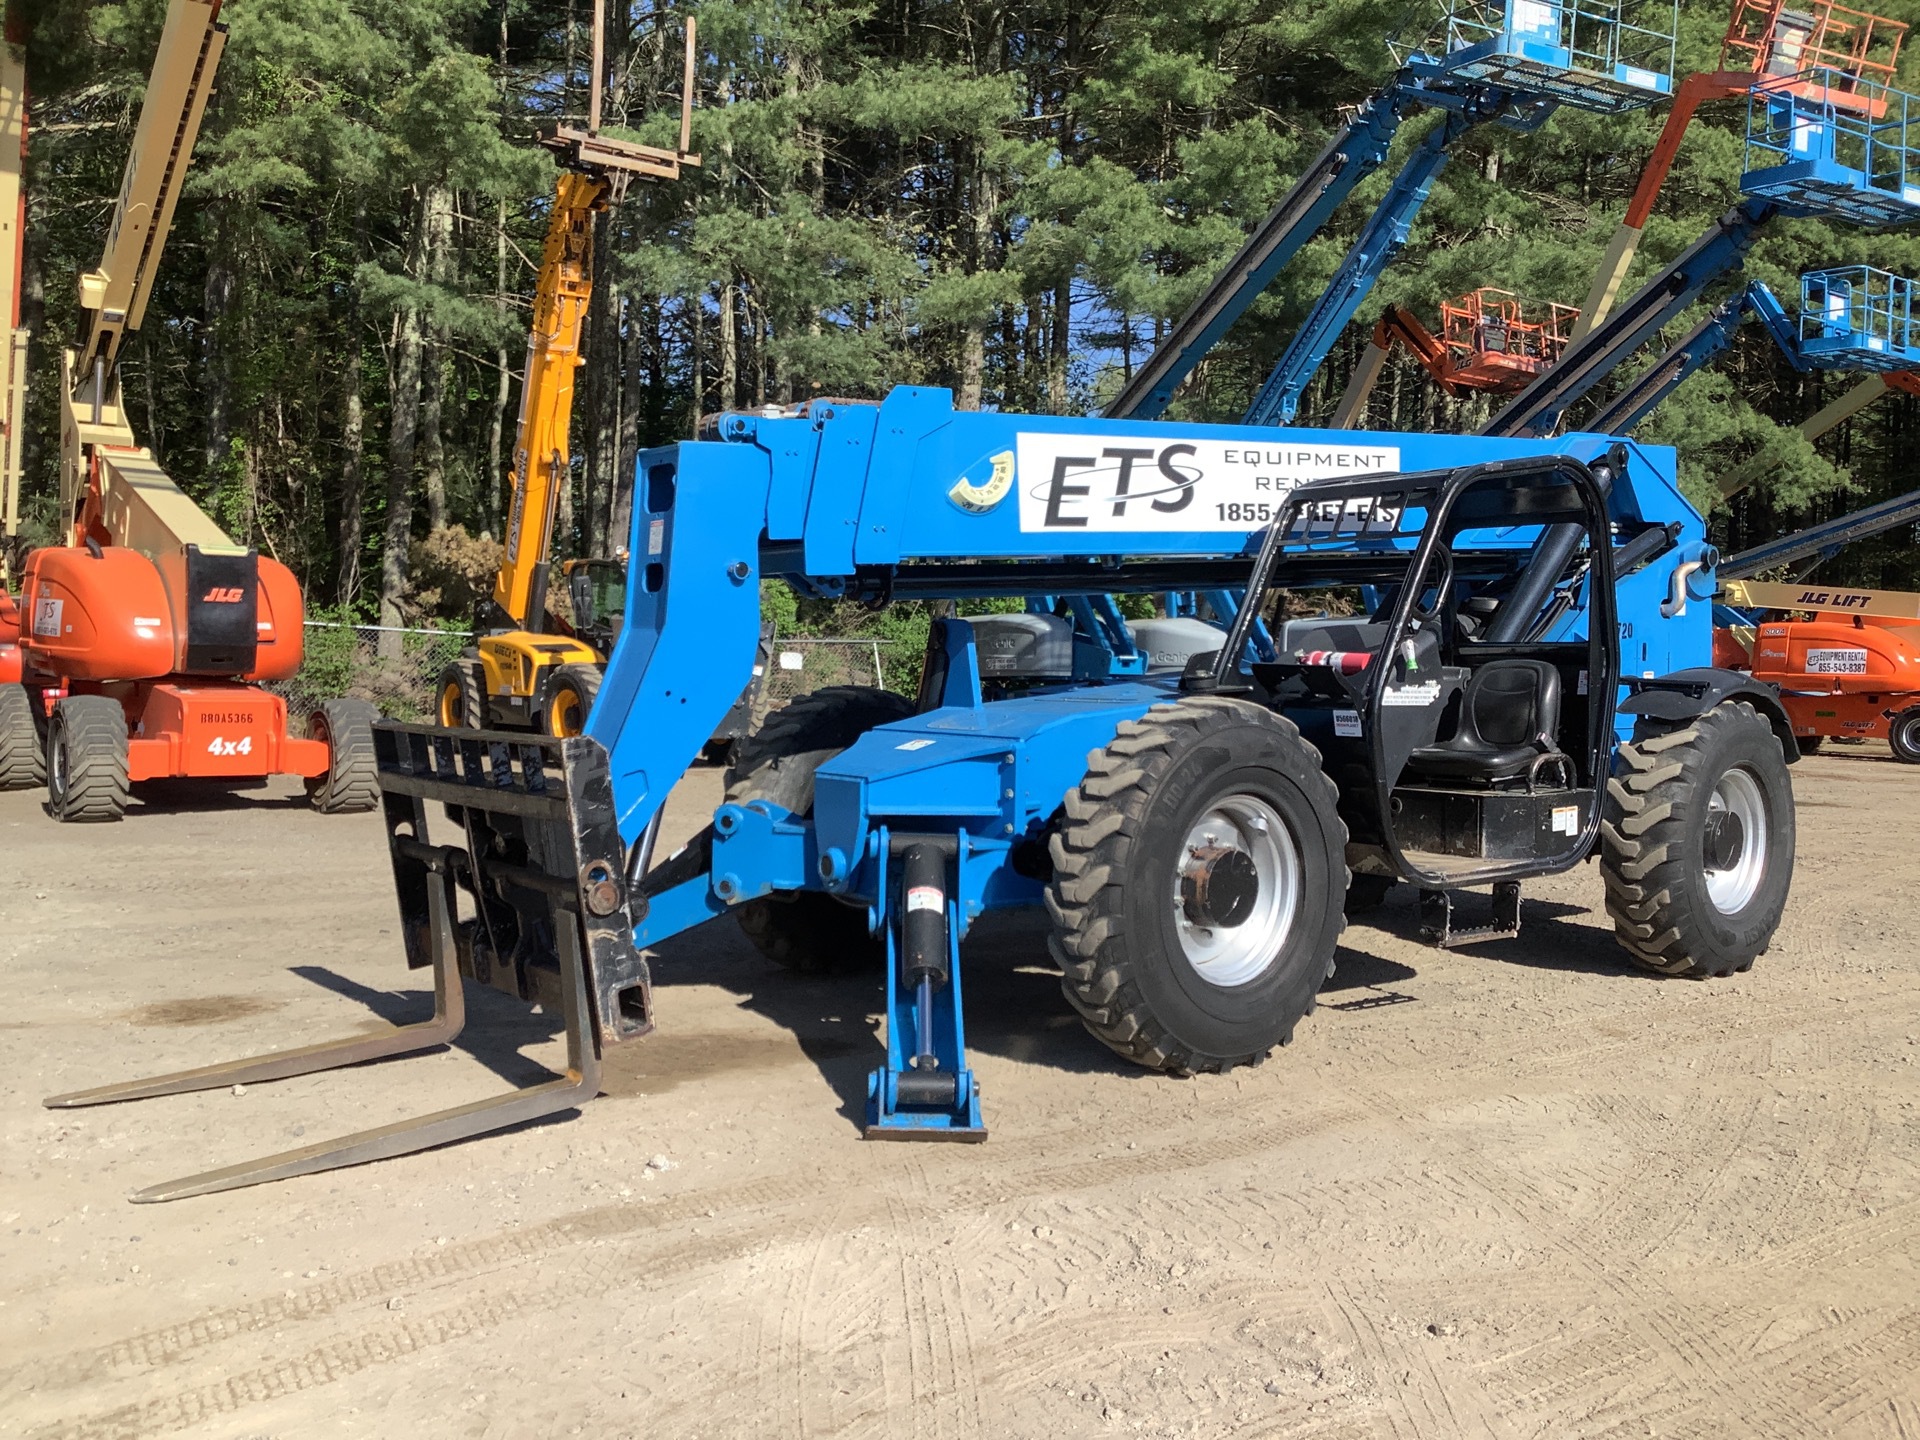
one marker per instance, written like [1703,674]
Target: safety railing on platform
[1778,38]
[1823,142]
[1588,54]
[1492,344]
[1858,318]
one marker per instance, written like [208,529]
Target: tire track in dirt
[542,1246]
[1695,1364]
[1658,1321]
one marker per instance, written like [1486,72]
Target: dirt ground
[1522,1191]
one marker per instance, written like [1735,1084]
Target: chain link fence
[397,670]
[802,665]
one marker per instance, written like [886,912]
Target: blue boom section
[1279,399]
[901,498]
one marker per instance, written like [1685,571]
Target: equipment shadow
[1551,936]
[210,797]
[1014,1007]
[498,1027]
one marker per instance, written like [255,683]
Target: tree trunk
[402,435]
[973,335]
[497,498]
[729,344]
[433,365]
[218,299]
[353,447]
[1062,339]
[598,394]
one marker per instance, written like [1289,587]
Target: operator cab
[598,592]
[1464,709]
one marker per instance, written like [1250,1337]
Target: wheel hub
[1734,842]
[1236,889]
[1726,840]
[1219,887]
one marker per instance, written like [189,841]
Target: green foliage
[1008,200]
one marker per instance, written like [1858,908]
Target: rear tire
[1197,886]
[352,782]
[462,696]
[1809,744]
[808,930]
[23,764]
[570,697]
[87,760]
[1903,736]
[1697,842]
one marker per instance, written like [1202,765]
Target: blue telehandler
[1460,662]
[1452,662]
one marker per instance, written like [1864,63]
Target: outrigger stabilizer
[544,872]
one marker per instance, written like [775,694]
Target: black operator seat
[1508,719]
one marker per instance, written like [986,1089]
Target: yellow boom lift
[521,675]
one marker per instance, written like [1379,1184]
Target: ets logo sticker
[1119,483]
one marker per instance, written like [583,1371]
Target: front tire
[569,697]
[352,782]
[461,702]
[23,764]
[1903,736]
[1697,843]
[87,760]
[808,930]
[1198,885]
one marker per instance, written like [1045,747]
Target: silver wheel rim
[1736,796]
[57,765]
[1237,955]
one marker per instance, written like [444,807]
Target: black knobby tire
[352,782]
[807,930]
[1114,896]
[1809,744]
[87,760]
[570,696]
[461,696]
[23,764]
[1656,833]
[1903,736]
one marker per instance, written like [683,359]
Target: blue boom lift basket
[1825,142]
[1591,56]
[1858,318]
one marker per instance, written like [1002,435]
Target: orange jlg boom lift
[520,674]
[144,637]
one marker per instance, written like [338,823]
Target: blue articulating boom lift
[1853,318]
[1807,153]
[1512,63]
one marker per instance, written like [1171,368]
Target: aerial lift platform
[1835,55]
[1487,344]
